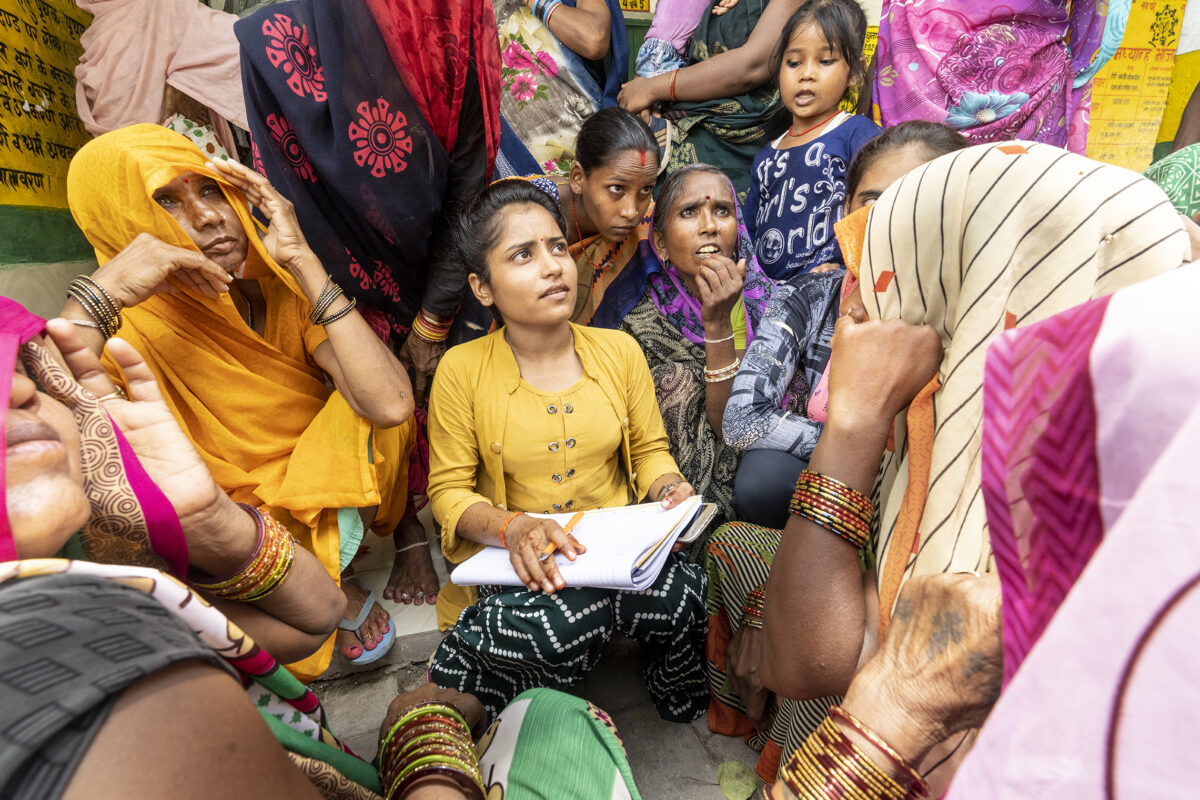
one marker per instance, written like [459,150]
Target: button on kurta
[570,473]
[556,478]
[570,442]
[558,506]
[496,448]
[551,409]
[568,408]
[553,447]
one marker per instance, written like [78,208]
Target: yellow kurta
[492,437]
[257,408]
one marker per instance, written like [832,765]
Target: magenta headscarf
[132,521]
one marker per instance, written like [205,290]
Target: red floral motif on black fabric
[288,143]
[381,138]
[288,49]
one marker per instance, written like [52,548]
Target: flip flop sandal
[389,638]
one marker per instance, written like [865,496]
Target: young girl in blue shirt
[799,182]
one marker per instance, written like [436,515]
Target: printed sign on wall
[39,127]
[1130,92]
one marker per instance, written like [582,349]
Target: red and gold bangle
[429,739]
[828,764]
[504,527]
[674,75]
[430,328]
[918,782]
[835,506]
[752,609]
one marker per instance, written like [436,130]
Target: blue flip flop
[389,638]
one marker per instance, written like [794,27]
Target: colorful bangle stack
[752,609]
[828,764]
[542,9]
[98,303]
[918,784]
[266,568]
[330,292]
[504,527]
[430,328]
[722,373]
[429,739]
[834,506]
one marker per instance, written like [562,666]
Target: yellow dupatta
[257,408]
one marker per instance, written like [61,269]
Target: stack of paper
[626,548]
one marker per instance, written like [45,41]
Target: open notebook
[627,548]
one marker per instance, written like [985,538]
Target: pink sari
[1089,438]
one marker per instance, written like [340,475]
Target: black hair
[936,138]
[608,133]
[480,221]
[844,26]
[672,187]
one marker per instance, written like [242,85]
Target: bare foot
[413,579]
[373,628]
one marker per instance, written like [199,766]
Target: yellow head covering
[972,243]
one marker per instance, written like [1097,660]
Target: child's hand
[723,6]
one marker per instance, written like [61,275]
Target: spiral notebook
[627,547]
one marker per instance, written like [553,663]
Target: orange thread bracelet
[504,526]
[674,75]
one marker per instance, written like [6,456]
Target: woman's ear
[482,292]
[575,178]
[659,239]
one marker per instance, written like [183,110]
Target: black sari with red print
[337,130]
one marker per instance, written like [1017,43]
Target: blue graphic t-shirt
[798,193]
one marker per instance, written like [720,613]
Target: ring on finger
[116,394]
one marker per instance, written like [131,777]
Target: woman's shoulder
[469,357]
[607,344]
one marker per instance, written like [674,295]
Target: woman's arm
[584,29]
[362,368]
[815,593]
[307,606]
[724,75]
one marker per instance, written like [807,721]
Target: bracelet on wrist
[918,784]
[504,527]
[752,609]
[429,739]
[663,492]
[828,764]
[430,328]
[728,338]
[98,304]
[266,568]
[835,506]
[722,373]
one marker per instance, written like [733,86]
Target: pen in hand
[550,548]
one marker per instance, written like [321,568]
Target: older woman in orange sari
[244,333]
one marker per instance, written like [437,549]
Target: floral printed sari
[994,71]
[547,91]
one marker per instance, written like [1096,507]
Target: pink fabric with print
[818,401]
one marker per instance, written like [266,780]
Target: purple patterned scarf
[682,309]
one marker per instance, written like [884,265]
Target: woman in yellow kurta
[222,316]
[546,416]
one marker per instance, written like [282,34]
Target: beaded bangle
[674,75]
[752,609]
[98,304]
[918,783]
[504,526]
[341,312]
[266,568]
[828,764]
[722,373]
[330,291]
[833,505]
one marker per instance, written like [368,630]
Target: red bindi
[185,180]
[706,197]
